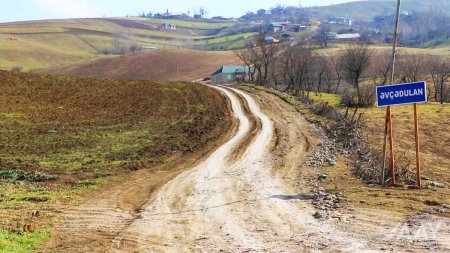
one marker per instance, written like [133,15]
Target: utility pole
[388,122]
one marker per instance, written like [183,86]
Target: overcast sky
[19,10]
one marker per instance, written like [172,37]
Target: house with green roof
[229,74]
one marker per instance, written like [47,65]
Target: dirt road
[232,205]
[249,195]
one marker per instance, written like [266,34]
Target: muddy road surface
[250,194]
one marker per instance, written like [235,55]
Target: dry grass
[443,50]
[435,154]
[435,134]
[399,199]
[434,130]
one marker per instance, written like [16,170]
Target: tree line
[352,72]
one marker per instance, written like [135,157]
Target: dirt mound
[164,64]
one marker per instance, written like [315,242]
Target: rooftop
[230,69]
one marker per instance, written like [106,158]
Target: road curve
[249,195]
[163,223]
[231,205]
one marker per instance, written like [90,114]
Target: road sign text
[400,94]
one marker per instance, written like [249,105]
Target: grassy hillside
[165,64]
[61,136]
[50,43]
[364,10]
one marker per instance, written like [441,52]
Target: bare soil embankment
[62,137]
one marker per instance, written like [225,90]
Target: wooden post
[388,125]
[382,172]
[416,128]
[391,146]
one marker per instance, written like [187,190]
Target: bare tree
[246,56]
[287,62]
[321,72]
[382,68]
[322,36]
[261,57]
[411,67]
[124,42]
[203,12]
[337,65]
[297,63]
[267,57]
[439,69]
[356,62]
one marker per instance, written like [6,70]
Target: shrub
[106,51]
[446,93]
[367,97]
[16,175]
[16,69]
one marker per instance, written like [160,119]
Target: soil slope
[165,64]
[88,132]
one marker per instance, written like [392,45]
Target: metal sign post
[401,94]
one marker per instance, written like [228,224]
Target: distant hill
[165,64]
[364,10]
[50,43]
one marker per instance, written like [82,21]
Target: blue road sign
[400,94]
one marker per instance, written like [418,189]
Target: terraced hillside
[50,43]
[165,64]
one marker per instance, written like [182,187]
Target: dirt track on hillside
[248,195]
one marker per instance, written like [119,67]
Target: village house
[229,74]
[278,27]
[339,21]
[197,16]
[145,48]
[348,37]
[262,13]
[168,26]
[296,28]
[271,40]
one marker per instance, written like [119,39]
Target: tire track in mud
[171,200]
[232,205]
